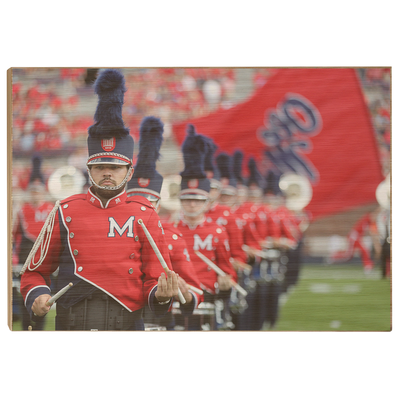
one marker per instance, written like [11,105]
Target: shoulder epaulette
[172,228]
[140,200]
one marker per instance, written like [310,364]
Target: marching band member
[300,220]
[234,224]
[253,210]
[95,238]
[33,213]
[282,236]
[208,238]
[354,242]
[221,213]
[29,222]
[384,234]
[258,211]
[272,201]
[241,209]
[147,182]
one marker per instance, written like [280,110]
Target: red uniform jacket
[286,227]
[104,246]
[212,241]
[222,216]
[27,227]
[245,218]
[180,259]
[271,226]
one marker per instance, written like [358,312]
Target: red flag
[310,121]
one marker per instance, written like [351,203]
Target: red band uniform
[95,238]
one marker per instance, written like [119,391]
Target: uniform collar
[114,201]
[191,226]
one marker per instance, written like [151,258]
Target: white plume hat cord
[44,236]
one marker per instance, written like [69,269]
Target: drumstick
[240,264]
[256,252]
[159,255]
[220,272]
[58,294]
[198,291]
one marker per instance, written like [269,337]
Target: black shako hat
[212,172]
[255,181]
[36,178]
[237,166]
[226,177]
[109,141]
[272,184]
[194,183]
[146,181]
[255,178]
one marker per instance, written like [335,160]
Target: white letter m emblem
[202,244]
[115,227]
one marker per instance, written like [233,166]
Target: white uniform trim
[148,298]
[27,295]
[194,298]
[43,240]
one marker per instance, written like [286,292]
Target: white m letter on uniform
[115,227]
[202,244]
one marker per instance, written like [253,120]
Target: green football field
[327,298]
[337,298]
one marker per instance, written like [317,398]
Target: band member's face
[108,174]
[192,206]
[227,199]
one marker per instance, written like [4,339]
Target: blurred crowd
[49,117]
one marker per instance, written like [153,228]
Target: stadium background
[53,107]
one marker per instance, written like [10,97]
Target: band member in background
[221,212]
[241,209]
[282,236]
[147,182]
[28,224]
[208,238]
[383,236]
[363,227]
[96,240]
[33,213]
